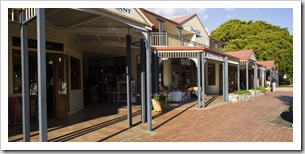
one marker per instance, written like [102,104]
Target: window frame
[77,85]
[211,75]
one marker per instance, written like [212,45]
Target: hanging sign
[214,56]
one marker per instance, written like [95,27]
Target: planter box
[258,93]
[239,97]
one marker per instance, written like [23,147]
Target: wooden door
[61,86]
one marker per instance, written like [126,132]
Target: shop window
[75,73]
[17,72]
[211,74]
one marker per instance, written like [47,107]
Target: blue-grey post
[223,82]
[238,77]
[255,78]
[260,76]
[153,79]
[265,74]
[247,76]
[143,83]
[155,72]
[41,62]
[160,32]
[25,80]
[226,78]
[128,79]
[277,79]
[180,36]
[203,79]
[198,78]
[270,75]
[148,82]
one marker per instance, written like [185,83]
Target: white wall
[212,89]
[76,100]
[167,72]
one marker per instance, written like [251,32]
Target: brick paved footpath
[232,122]
[237,122]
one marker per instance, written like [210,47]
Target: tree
[268,41]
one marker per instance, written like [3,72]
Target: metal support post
[41,62]
[25,81]
[226,79]
[261,77]
[148,83]
[160,32]
[155,72]
[247,74]
[223,82]
[143,80]
[277,79]
[238,77]
[128,79]
[180,36]
[198,78]
[203,78]
[255,78]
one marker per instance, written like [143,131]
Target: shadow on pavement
[288,100]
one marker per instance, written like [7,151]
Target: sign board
[214,56]
[124,10]
[193,29]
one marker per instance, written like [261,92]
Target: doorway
[57,86]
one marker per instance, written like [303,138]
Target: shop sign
[193,29]
[214,56]
[123,10]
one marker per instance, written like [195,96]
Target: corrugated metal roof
[269,63]
[183,18]
[242,54]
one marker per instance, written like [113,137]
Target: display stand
[122,92]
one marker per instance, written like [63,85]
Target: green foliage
[161,99]
[261,88]
[269,42]
[242,92]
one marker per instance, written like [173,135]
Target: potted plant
[159,101]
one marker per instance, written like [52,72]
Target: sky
[211,18]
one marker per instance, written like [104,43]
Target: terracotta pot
[157,106]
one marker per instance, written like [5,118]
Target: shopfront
[83,48]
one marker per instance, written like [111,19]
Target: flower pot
[157,106]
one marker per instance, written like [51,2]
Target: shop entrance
[56,83]
[57,92]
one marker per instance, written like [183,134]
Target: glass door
[61,86]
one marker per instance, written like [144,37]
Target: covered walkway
[227,122]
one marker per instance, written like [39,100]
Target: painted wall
[76,96]
[167,72]
[195,22]
[213,89]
